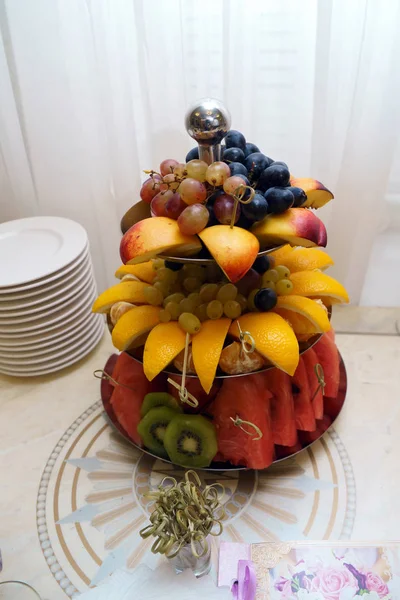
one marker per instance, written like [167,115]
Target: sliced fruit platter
[222,295]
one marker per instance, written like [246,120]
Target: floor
[35,414]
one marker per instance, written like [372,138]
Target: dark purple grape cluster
[269,178]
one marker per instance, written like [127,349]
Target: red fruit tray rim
[107,388]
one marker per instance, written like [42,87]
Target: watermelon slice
[284,451]
[307,437]
[246,398]
[284,430]
[328,357]
[127,401]
[310,361]
[106,387]
[195,388]
[331,334]
[333,406]
[303,408]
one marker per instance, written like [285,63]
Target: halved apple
[317,194]
[153,236]
[137,212]
[296,226]
[235,249]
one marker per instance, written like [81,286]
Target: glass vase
[186,560]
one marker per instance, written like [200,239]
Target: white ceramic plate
[46,283]
[42,309]
[37,247]
[54,344]
[45,311]
[56,366]
[75,344]
[31,288]
[47,293]
[61,317]
[44,339]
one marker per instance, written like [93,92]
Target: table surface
[64,525]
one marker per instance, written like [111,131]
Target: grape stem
[168,184]
[152,173]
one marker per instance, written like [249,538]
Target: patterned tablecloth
[91,502]
[91,505]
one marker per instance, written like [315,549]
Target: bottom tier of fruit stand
[332,409]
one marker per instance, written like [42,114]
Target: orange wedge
[131,329]
[153,236]
[164,342]
[302,327]
[144,271]
[315,284]
[314,316]
[129,291]
[235,249]
[280,253]
[305,259]
[206,350]
[273,337]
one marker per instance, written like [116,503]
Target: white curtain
[93,92]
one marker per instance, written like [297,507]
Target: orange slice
[131,328]
[153,236]
[129,291]
[206,349]
[313,311]
[302,327]
[315,284]
[305,259]
[280,253]
[234,361]
[235,249]
[144,271]
[273,337]
[164,342]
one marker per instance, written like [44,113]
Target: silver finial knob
[207,122]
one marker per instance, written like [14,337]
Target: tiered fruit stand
[223,311]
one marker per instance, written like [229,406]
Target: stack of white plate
[47,289]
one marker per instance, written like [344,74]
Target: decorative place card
[320,570]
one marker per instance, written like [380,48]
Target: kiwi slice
[154,399]
[153,426]
[191,441]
